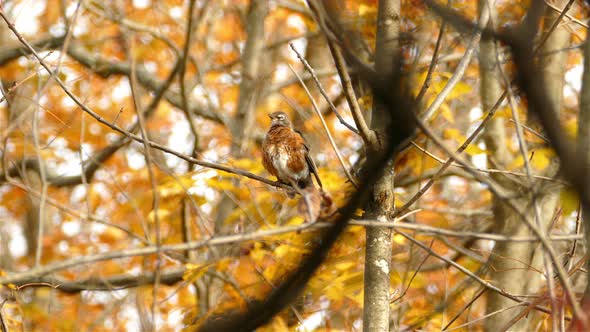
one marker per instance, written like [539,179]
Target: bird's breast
[286,152]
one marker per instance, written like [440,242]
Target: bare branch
[319,113]
[460,70]
[311,71]
[106,68]
[169,276]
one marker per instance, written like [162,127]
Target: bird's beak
[270,116]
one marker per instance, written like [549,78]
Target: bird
[286,154]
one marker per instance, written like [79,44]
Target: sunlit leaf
[542,158]
[194,271]
[399,239]
[569,201]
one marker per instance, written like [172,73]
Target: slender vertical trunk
[583,150]
[249,88]
[250,84]
[515,266]
[504,272]
[381,204]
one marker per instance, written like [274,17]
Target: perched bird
[286,154]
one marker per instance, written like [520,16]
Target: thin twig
[486,316]
[470,274]
[334,147]
[501,194]
[366,133]
[311,72]
[154,186]
[433,63]
[573,19]
[465,307]
[449,161]
[182,73]
[397,224]
[413,275]
[129,134]
[537,213]
[487,170]
[459,71]
[42,215]
[532,131]
[3,327]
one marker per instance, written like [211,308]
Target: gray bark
[514,266]
[504,272]
[250,84]
[381,204]
[21,112]
[583,147]
[249,88]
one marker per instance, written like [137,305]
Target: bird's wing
[310,163]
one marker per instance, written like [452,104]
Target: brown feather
[286,156]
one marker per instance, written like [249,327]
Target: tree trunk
[249,88]
[583,150]
[381,204]
[515,266]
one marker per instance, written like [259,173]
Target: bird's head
[279,119]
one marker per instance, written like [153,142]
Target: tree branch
[106,68]
[167,277]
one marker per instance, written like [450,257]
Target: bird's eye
[281,117]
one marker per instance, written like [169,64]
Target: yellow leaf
[459,89]
[223,264]
[344,265]
[419,280]
[437,86]
[571,128]
[295,221]
[419,81]
[569,201]
[451,133]
[198,199]
[221,184]
[250,165]
[290,253]
[357,297]
[258,254]
[282,250]
[194,271]
[162,213]
[334,291]
[399,239]
[177,185]
[542,158]
[459,138]
[447,113]
[539,159]
[504,112]
[348,284]
[473,150]
[367,10]
[517,162]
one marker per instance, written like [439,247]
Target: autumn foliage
[100,231]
